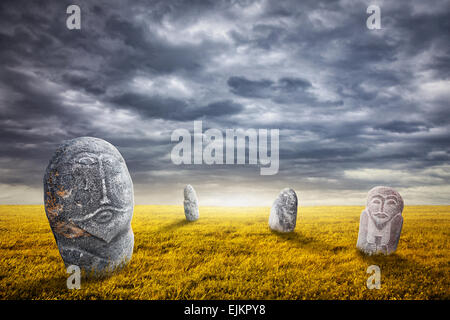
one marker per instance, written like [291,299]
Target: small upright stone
[381,222]
[88,197]
[283,214]
[190,203]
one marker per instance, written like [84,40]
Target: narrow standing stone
[283,214]
[190,203]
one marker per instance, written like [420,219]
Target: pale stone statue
[190,203]
[88,197]
[381,221]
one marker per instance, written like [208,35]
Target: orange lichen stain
[53,211]
[50,178]
[52,206]
[63,193]
[69,230]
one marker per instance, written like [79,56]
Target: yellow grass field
[230,253]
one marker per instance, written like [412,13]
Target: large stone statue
[283,214]
[381,222]
[88,197]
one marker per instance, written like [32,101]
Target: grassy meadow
[230,253]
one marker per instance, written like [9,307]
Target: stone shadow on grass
[301,240]
[175,225]
[396,267]
[57,285]
[34,289]
[378,259]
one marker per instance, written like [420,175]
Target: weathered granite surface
[190,203]
[381,222]
[283,214]
[89,201]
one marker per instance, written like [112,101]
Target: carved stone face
[94,191]
[383,203]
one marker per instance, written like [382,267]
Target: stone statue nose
[104,200]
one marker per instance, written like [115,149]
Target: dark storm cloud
[441,66]
[402,126]
[248,88]
[84,82]
[345,98]
[284,91]
[37,48]
[174,109]
[265,88]
[148,51]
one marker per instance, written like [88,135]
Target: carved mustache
[105,212]
[380,215]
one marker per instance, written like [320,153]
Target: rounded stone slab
[381,222]
[89,201]
[190,203]
[283,214]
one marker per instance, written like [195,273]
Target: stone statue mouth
[102,215]
[381,215]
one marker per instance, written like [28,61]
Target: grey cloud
[285,90]
[263,36]
[85,83]
[250,88]
[264,88]
[174,109]
[402,126]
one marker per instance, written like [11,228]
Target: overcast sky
[355,107]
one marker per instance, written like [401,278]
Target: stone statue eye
[376,201]
[392,202]
[108,161]
[87,161]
